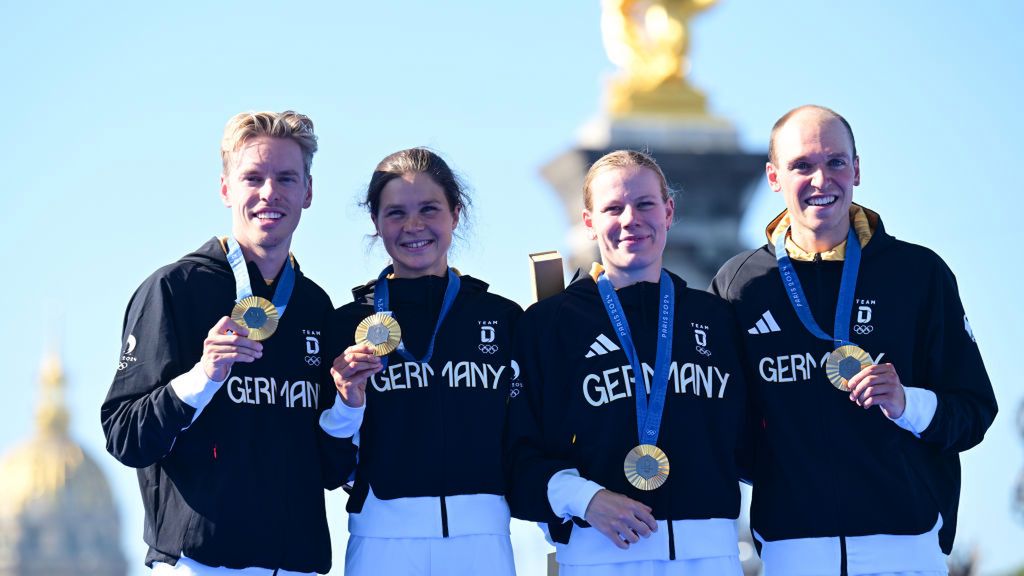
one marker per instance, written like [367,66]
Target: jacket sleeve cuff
[195,389]
[342,420]
[919,411]
[569,494]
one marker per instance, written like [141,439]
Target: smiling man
[868,382]
[221,383]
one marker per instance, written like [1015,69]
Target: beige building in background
[57,513]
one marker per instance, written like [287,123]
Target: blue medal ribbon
[380,304]
[243,287]
[648,412]
[847,286]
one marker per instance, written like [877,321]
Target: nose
[628,216]
[269,190]
[413,223]
[818,178]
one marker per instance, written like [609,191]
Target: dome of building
[57,512]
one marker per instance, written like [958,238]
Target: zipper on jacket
[671,542]
[843,571]
[444,518]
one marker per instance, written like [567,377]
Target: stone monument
[651,106]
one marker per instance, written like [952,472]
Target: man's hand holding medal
[227,343]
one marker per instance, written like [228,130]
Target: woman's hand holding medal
[620,518]
[351,370]
[225,344]
[879,385]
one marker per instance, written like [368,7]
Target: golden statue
[648,40]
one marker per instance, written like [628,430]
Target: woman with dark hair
[423,381]
[629,479]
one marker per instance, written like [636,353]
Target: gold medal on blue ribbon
[844,363]
[381,331]
[257,314]
[646,467]
[847,359]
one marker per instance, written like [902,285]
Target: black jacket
[243,484]
[435,430]
[819,456]
[576,408]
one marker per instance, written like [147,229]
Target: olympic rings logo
[863,329]
[513,392]
[121,366]
[703,351]
[488,348]
[312,360]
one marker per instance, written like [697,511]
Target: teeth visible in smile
[821,200]
[269,215]
[417,244]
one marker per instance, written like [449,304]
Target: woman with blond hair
[629,479]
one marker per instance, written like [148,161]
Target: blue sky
[109,151]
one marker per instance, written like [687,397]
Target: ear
[773,177]
[309,192]
[224,196]
[856,171]
[455,217]
[588,222]
[670,212]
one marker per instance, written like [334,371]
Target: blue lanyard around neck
[380,304]
[847,287]
[243,286]
[648,412]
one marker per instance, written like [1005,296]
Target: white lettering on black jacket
[241,485]
[575,407]
[430,443]
[813,446]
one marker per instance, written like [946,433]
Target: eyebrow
[400,205]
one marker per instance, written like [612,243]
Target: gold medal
[380,331]
[646,467]
[844,363]
[257,314]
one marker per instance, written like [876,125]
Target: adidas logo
[765,324]
[601,346]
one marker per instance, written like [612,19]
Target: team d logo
[863,314]
[700,336]
[863,325]
[312,347]
[487,345]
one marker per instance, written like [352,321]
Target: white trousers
[715,566]
[189,567]
[473,555]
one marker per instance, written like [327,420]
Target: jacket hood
[214,254]
[865,223]
[365,292]
[588,282]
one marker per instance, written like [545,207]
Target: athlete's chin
[632,263]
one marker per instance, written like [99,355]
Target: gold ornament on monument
[649,40]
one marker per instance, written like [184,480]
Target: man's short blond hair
[288,124]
